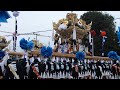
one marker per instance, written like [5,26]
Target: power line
[40,31]
[26,33]
[29,34]
[6,32]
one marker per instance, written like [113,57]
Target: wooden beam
[56,54]
[15,53]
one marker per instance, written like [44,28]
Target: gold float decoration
[37,45]
[71,18]
[3,42]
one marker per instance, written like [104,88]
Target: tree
[102,22]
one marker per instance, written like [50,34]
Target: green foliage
[104,22]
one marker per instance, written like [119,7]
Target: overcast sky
[32,21]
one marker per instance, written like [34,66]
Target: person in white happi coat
[3,62]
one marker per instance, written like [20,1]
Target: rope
[6,32]
[36,72]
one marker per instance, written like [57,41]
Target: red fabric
[103,33]
[93,33]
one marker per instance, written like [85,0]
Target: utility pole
[15,14]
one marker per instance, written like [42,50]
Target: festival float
[72,35]
[72,31]
[71,41]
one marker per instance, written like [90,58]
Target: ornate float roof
[71,21]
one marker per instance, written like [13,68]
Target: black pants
[99,75]
[62,70]
[88,69]
[56,41]
[32,75]
[92,71]
[104,70]
[114,73]
[75,75]
[9,75]
[83,71]
[74,42]
[49,71]
[52,72]
[57,71]
[21,76]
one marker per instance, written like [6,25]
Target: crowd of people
[57,68]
